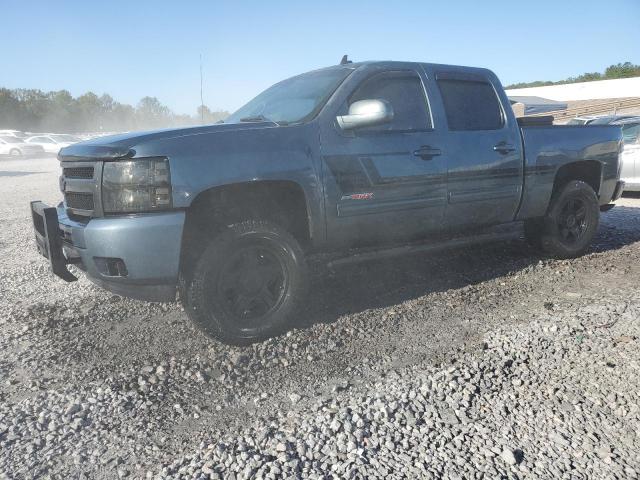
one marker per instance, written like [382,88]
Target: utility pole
[201,98]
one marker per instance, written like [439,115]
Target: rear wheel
[248,284]
[570,224]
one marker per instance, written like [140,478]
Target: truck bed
[549,147]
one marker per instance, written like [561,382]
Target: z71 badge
[358,196]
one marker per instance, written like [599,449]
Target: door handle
[504,148]
[427,153]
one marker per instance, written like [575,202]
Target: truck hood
[124,145]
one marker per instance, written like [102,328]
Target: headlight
[136,186]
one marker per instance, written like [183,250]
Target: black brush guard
[48,241]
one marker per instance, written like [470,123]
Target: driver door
[385,183]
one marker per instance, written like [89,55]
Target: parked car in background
[52,143]
[609,119]
[16,147]
[630,159]
[13,133]
[579,121]
[598,120]
[65,137]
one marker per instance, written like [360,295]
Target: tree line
[619,70]
[59,112]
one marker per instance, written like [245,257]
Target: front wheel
[15,152]
[571,221]
[248,284]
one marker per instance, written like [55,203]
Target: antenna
[345,60]
[201,98]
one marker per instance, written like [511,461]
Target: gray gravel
[491,362]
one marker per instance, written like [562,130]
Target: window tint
[470,105]
[404,91]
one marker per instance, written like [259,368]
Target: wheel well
[589,171]
[281,202]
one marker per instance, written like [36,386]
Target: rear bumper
[148,245]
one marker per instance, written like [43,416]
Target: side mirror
[366,113]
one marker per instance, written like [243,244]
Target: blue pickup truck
[350,158]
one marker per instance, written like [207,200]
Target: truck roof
[391,64]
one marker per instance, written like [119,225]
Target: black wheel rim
[252,283]
[573,221]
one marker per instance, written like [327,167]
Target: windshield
[9,139]
[293,100]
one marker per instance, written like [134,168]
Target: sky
[131,49]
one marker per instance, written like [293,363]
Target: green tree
[206,116]
[60,112]
[11,110]
[152,114]
[620,70]
[89,112]
[36,111]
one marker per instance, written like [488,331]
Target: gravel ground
[491,362]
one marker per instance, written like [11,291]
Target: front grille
[78,172]
[80,183]
[80,201]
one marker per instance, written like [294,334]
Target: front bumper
[617,193]
[147,244]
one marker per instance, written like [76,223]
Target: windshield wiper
[255,118]
[262,118]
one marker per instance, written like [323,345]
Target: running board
[358,256]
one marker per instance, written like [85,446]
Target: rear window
[470,105]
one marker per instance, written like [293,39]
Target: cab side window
[631,134]
[470,105]
[405,92]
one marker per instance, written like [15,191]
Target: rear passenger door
[484,150]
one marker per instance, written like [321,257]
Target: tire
[571,221]
[226,299]
[15,152]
